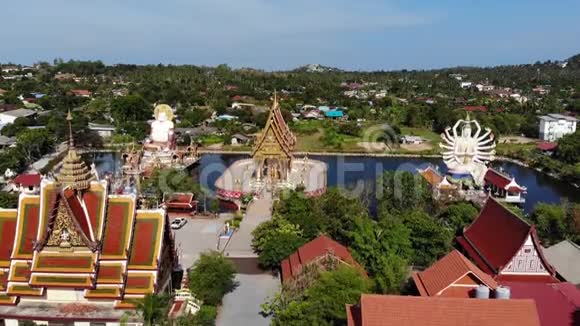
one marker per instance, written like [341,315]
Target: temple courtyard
[241,306]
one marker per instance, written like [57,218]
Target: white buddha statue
[467,153]
[162,128]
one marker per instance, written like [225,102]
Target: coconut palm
[153,309]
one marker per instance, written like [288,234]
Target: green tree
[275,240]
[402,190]
[302,211]
[211,277]
[204,317]
[551,222]
[130,108]
[458,215]
[33,144]
[384,249]
[568,149]
[8,199]
[153,309]
[324,302]
[430,240]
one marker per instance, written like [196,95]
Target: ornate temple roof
[276,139]
[496,236]
[74,172]
[73,234]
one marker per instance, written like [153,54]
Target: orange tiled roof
[309,252]
[440,277]
[390,310]
[431,176]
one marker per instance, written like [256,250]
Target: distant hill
[316,68]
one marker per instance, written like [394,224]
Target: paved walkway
[242,306]
[260,210]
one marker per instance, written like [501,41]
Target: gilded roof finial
[71,142]
[74,172]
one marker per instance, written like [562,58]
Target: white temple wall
[526,261]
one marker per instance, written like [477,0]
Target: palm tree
[153,309]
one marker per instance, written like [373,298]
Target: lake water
[355,173]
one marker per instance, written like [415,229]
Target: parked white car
[178,223]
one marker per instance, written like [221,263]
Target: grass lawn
[423,133]
[211,139]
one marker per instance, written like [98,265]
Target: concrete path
[242,306]
[260,210]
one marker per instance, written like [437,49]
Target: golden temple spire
[71,142]
[74,172]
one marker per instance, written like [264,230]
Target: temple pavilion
[74,253]
[505,246]
[272,165]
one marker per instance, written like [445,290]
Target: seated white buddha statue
[161,137]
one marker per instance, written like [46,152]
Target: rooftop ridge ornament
[465,152]
[74,171]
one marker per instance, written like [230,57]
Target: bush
[211,277]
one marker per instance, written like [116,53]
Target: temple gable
[526,261]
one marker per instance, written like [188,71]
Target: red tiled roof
[179,200]
[480,108]
[314,249]
[437,279]
[496,235]
[390,310]
[556,303]
[81,92]
[501,181]
[431,176]
[547,146]
[28,180]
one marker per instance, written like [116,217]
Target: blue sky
[281,34]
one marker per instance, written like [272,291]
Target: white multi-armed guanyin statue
[467,153]
[161,137]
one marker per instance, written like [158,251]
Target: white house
[466,84]
[555,126]
[7,117]
[104,131]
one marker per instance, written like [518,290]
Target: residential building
[408,139]
[392,310]
[503,187]
[81,93]
[240,139]
[452,276]
[466,84]
[102,130]
[6,142]
[555,126]
[505,246]
[479,108]
[7,117]
[334,114]
[565,257]
[64,76]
